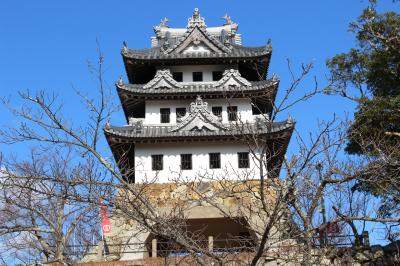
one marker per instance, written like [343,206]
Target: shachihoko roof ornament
[160,26]
[228,20]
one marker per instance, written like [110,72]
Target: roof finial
[124,49]
[196,19]
[290,120]
[120,81]
[196,13]
[125,44]
[228,20]
[268,46]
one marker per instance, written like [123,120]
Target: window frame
[164,115]
[232,115]
[180,76]
[217,75]
[200,76]
[219,108]
[214,160]
[180,109]
[186,161]
[157,166]
[243,162]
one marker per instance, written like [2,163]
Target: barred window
[157,162]
[180,112]
[217,75]
[232,113]
[197,76]
[243,160]
[215,160]
[165,113]
[178,76]
[217,111]
[186,161]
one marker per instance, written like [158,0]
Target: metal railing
[156,248]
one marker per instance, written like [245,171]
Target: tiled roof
[156,53]
[147,132]
[199,87]
[171,43]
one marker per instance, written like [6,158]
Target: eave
[131,94]
[158,134]
[155,54]
[147,60]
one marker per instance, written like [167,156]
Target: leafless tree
[42,214]
[77,173]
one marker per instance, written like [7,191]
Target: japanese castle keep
[192,102]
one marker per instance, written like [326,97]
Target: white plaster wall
[206,69]
[196,49]
[200,162]
[152,108]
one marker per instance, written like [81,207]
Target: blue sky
[45,45]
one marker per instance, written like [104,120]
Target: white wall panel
[153,109]
[200,162]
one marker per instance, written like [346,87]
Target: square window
[178,76]
[186,161]
[180,112]
[165,113]
[243,160]
[232,113]
[157,162]
[217,111]
[215,160]
[197,76]
[217,75]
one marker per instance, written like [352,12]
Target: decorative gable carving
[201,48]
[232,78]
[196,39]
[162,80]
[199,119]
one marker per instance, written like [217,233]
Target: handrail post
[154,248]
[365,237]
[100,250]
[210,243]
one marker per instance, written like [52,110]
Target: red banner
[105,221]
[331,228]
